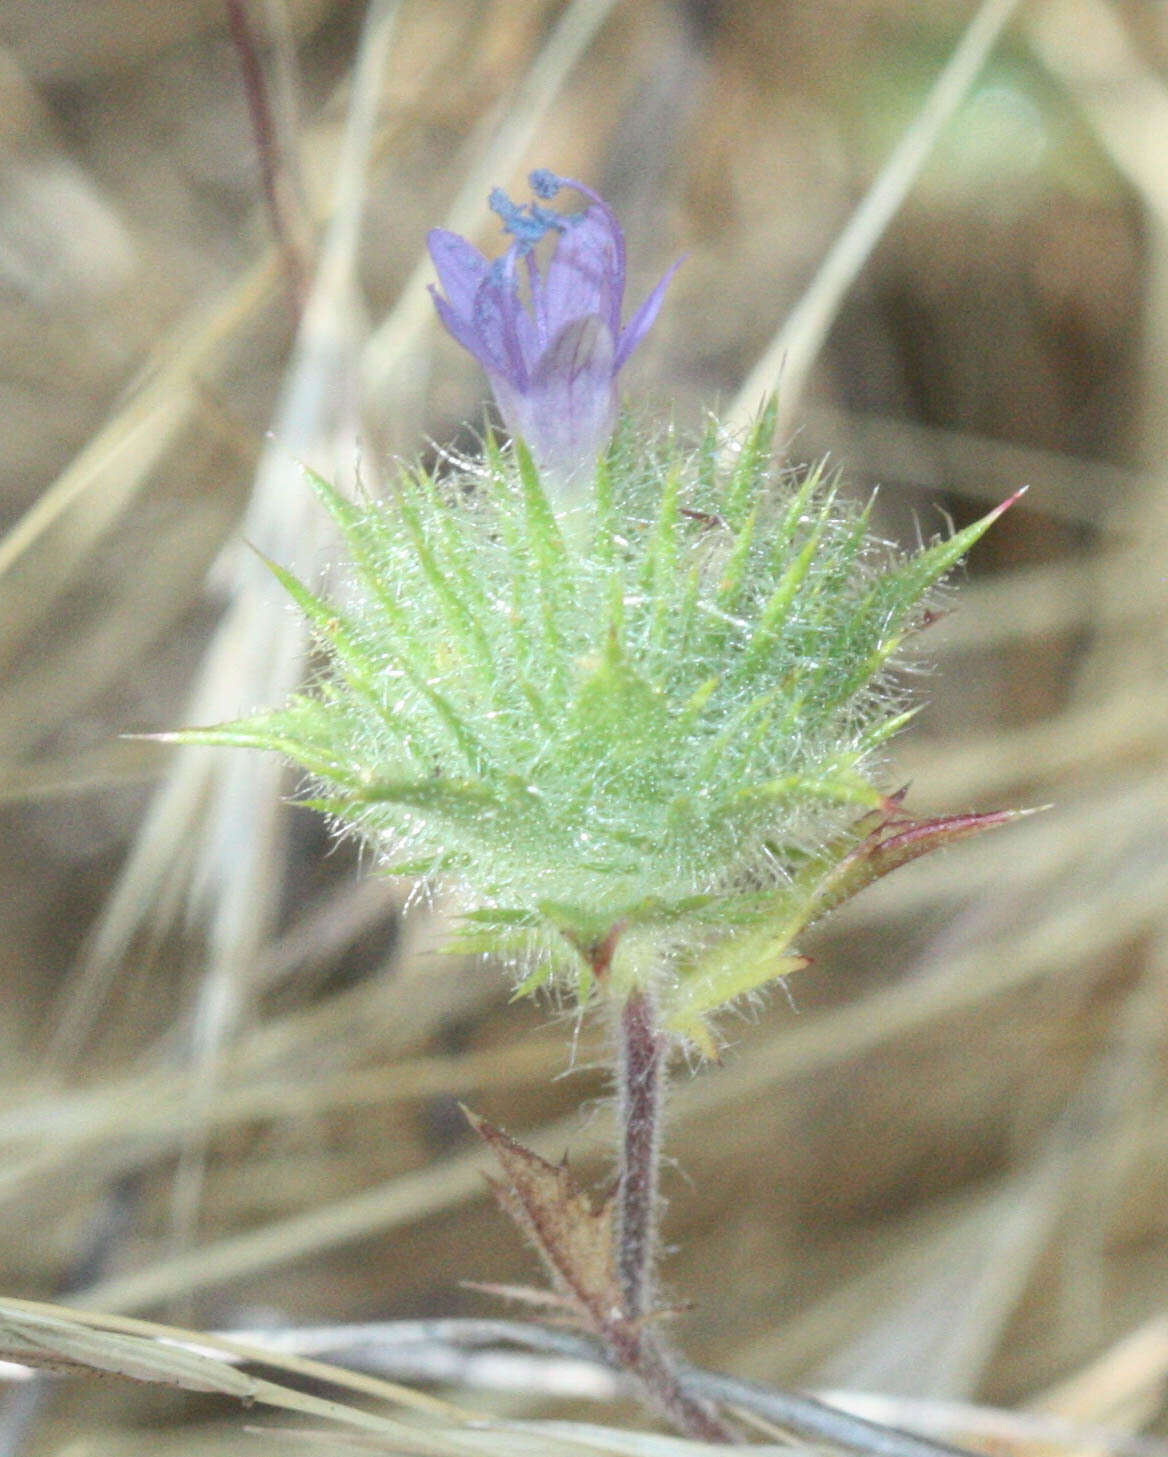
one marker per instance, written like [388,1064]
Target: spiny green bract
[645,713]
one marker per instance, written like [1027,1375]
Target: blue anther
[521,223]
[545,183]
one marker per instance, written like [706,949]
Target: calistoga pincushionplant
[631,696]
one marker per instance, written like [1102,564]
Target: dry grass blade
[257,652]
[1122,1385]
[968,1421]
[140,1121]
[1119,93]
[122,762]
[566,1439]
[585,1437]
[930,458]
[789,357]
[958,1316]
[61,1339]
[57,689]
[1108,738]
[943,1168]
[51,540]
[275,136]
[397,1203]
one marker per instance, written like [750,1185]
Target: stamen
[527,225]
[545,183]
[517,221]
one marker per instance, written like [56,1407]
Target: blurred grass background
[230,1064]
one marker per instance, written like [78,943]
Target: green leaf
[660,572]
[736,966]
[345,513]
[747,961]
[730,587]
[928,567]
[782,599]
[361,528]
[538,976]
[607,520]
[809,488]
[751,466]
[450,797]
[839,786]
[543,529]
[500,916]
[446,576]
[299,732]
[422,867]
[332,626]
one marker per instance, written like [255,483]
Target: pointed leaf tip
[894,843]
[571,1231]
[983,523]
[1008,502]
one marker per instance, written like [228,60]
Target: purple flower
[553,359]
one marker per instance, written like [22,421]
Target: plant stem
[640,1070]
[692,1415]
[634,1339]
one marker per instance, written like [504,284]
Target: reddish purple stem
[640,1073]
[636,1344]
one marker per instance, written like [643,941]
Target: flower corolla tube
[553,358]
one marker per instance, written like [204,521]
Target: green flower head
[638,722]
[642,732]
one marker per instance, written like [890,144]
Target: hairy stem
[640,1070]
[692,1415]
[634,1340]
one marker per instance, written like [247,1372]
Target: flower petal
[501,323]
[570,408]
[585,276]
[552,354]
[461,268]
[643,320]
[463,330]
